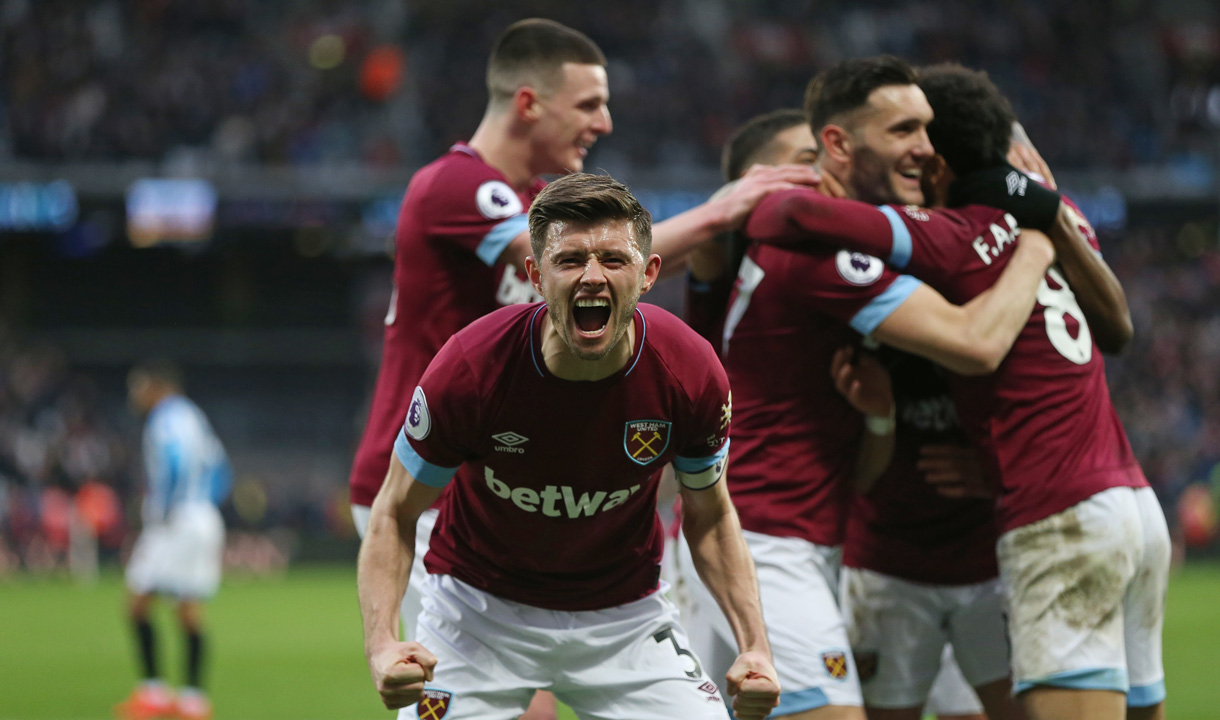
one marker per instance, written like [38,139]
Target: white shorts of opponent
[951,693]
[899,630]
[798,583]
[630,662]
[408,612]
[1086,590]
[180,557]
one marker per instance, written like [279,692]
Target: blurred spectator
[381,82]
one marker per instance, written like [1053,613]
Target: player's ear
[836,143]
[528,104]
[937,176]
[531,269]
[652,270]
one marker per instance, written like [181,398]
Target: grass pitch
[290,648]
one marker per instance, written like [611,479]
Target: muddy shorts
[1086,596]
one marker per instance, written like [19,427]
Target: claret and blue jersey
[553,482]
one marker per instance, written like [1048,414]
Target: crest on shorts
[836,664]
[434,705]
[866,664]
[646,440]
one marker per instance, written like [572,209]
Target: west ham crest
[646,440]
[836,664]
[434,705]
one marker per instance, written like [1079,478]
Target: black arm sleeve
[1004,187]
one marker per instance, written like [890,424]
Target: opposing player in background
[796,439]
[462,238]
[179,551]
[557,419]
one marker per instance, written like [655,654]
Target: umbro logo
[508,442]
[1016,183]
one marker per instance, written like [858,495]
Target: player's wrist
[881,424]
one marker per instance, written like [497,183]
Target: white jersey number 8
[1059,303]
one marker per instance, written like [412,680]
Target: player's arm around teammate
[972,339]
[1096,288]
[723,562]
[399,669]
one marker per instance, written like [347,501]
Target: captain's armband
[702,473]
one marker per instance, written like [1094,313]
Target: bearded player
[1084,552]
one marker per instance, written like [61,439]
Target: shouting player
[557,419]
[461,238]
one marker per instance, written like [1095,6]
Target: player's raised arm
[399,669]
[727,210]
[972,339]
[804,217]
[1097,290]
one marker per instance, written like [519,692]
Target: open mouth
[591,315]
[910,174]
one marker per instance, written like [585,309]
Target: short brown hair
[532,52]
[584,199]
[845,86]
[753,137]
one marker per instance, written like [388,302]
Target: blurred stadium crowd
[1100,85]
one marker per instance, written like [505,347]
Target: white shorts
[180,557]
[408,612]
[951,693]
[629,662]
[899,629]
[1086,591]
[798,582]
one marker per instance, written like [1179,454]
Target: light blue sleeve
[870,316]
[494,242]
[691,466]
[900,250]
[420,469]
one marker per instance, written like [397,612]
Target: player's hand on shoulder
[863,381]
[399,671]
[758,182]
[1025,157]
[754,686]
